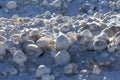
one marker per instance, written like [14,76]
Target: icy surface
[30,36]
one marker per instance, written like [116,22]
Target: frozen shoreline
[31,46]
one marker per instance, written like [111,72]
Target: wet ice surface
[31,35]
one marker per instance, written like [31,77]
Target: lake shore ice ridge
[59,39]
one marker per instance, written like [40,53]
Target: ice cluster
[59,44]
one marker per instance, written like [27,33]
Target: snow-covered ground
[59,40]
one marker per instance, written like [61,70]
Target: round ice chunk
[42,70]
[11,5]
[62,42]
[62,57]
[19,57]
[86,33]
